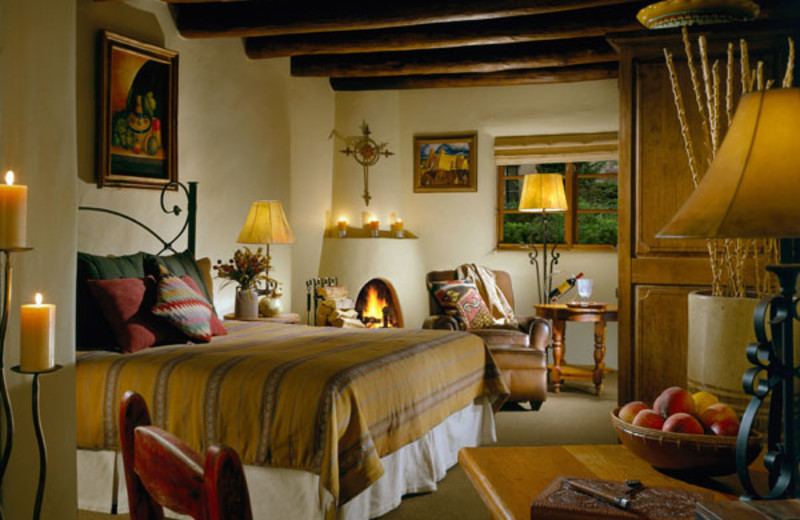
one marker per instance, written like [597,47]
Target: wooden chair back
[163,471]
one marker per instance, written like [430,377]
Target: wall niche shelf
[357,232]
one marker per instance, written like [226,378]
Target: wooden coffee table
[509,478]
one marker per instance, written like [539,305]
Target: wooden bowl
[710,455]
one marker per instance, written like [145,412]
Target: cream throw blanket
[484,280]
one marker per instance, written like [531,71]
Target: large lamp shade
[752,189]
[266,224]
[543,192]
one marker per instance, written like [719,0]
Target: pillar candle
[342,224]
[373,225]
[398,225]
[13,213]
[37,334]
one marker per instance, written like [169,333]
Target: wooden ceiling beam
[554,26]
[487,58]
[493,79]
[261,18]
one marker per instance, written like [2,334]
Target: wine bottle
[563,287]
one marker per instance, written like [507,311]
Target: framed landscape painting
[138,114]
[446,162]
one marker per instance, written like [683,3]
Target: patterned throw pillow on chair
[180,305]
[463,300]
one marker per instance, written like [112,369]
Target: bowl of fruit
[684,432]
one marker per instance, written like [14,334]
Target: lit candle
[373,225]
[13,213]
[398,225]
[37,335]
[342,224]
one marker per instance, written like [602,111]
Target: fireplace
[377,305]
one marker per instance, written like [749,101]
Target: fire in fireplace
[377,305]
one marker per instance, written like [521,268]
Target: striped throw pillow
[180,305]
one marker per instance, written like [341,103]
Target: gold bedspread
[328,401]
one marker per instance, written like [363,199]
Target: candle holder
[4,398]
[37,426]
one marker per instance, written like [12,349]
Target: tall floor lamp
[266,224]
[751,190]
[543,193]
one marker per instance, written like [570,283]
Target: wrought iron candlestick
[37,426]
[365,151]
[8,417]
[773,354]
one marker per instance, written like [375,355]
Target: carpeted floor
[575,416]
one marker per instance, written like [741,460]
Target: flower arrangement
[247,269]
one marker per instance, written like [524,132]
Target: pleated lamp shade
[266,224]
[543,192]
[752,189]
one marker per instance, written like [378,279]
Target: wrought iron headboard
[189,226]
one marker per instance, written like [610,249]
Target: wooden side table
[560,314]
[287,317]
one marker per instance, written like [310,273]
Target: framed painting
[138,114]
[446,162]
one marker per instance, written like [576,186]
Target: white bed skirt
[287,493]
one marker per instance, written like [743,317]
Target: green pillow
[92,331]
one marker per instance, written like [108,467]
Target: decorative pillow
[217,328]
[180,264]
[183,307]
[125,304]
[464,300]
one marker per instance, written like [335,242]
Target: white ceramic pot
[270,306]
[246,304]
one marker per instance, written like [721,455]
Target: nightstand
[287,317]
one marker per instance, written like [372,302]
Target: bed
[328,422]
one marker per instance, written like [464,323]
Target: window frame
[570,216]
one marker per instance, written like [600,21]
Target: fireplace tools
[312,297]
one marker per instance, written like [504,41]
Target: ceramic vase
[246,304]
[270,306]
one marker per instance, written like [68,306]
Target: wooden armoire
[656,275]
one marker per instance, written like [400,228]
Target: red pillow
[217,328]
[126,304]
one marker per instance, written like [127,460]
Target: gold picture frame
[137,114]
[446,162]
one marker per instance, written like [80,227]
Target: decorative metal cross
[365,151]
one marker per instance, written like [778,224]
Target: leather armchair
[519,353]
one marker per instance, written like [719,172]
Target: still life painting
[446,163]
[138,114]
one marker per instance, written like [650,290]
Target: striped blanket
[328,401]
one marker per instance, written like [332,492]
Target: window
[590,182]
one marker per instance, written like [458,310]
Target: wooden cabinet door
[656,275]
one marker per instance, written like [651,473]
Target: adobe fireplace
[377,305]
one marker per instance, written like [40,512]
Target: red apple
[629,411]
[674,400]
[648,418]
[726,426]
[682,423]
[717,413]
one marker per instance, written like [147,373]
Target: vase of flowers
[247,269]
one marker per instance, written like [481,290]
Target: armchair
[519,353]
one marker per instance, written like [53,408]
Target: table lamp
[266,224]
[543,193]
[751,191]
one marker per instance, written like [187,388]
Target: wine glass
[584,289]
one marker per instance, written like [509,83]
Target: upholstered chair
[520,353]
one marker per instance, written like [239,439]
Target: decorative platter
[678,13]
[587,305]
